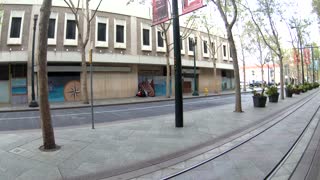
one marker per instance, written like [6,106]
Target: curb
[24,109]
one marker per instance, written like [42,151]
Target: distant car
[242,84]
[256,84]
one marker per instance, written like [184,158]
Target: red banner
[191,5]
[296,57]
[160,11]
[306,53]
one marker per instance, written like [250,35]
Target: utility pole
[33,102]
[177,66]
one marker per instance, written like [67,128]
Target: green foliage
[272,90]
[316,7]
[255,93]
[289,87]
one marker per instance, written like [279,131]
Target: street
[81,116]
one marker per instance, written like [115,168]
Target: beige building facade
[127,52]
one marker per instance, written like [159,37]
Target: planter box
[288,93]
[259,101]
[274,98]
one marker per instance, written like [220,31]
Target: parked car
[256,84]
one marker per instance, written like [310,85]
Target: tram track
[291,110]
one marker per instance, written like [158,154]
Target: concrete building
[127,51]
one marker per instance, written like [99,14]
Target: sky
[298,8]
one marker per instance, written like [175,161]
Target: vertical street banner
[306,53]
[160,11]
[296,59]
[191,5]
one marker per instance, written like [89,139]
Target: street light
[195,90]
[33,102]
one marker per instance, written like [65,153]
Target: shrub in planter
[303,88]
[272,92]
[259,99]
[296,89]
[289,90]
[315,85]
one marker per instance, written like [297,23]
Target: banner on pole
[296,59]
[306,53]
[160,11]
[191,5]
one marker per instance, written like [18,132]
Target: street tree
[228,9]
[164,28]
[316,7]
[267,12]
[83,38]
[45,115]
[212,46]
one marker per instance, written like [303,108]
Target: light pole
[177,66]
[195,90]
[33,102]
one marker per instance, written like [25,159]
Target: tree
[316,7]
[165,33]
[83,40]
[230,5]
[268,9]
[256,44]
[212,47]
[45,115]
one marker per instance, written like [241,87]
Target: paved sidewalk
[119,147]
[105,102]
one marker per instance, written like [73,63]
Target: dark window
[223,73]
[15,27]
[120,34]
[4,75]
[71,29]
[160,39]
[190,44]
[102,29]
[205,47]
[181,43]
[224,51]
[51,29]
[146,37]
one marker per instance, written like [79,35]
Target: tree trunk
[238,106]
[281,78]
[244,75]
[84,87]
[45,115]
[262,73]
[215,79]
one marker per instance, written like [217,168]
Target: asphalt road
[80,116]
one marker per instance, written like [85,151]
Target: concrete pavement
[121,147]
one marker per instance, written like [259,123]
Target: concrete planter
[259,101]
[274,98]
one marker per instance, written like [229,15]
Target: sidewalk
[106,102]
[120,147]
